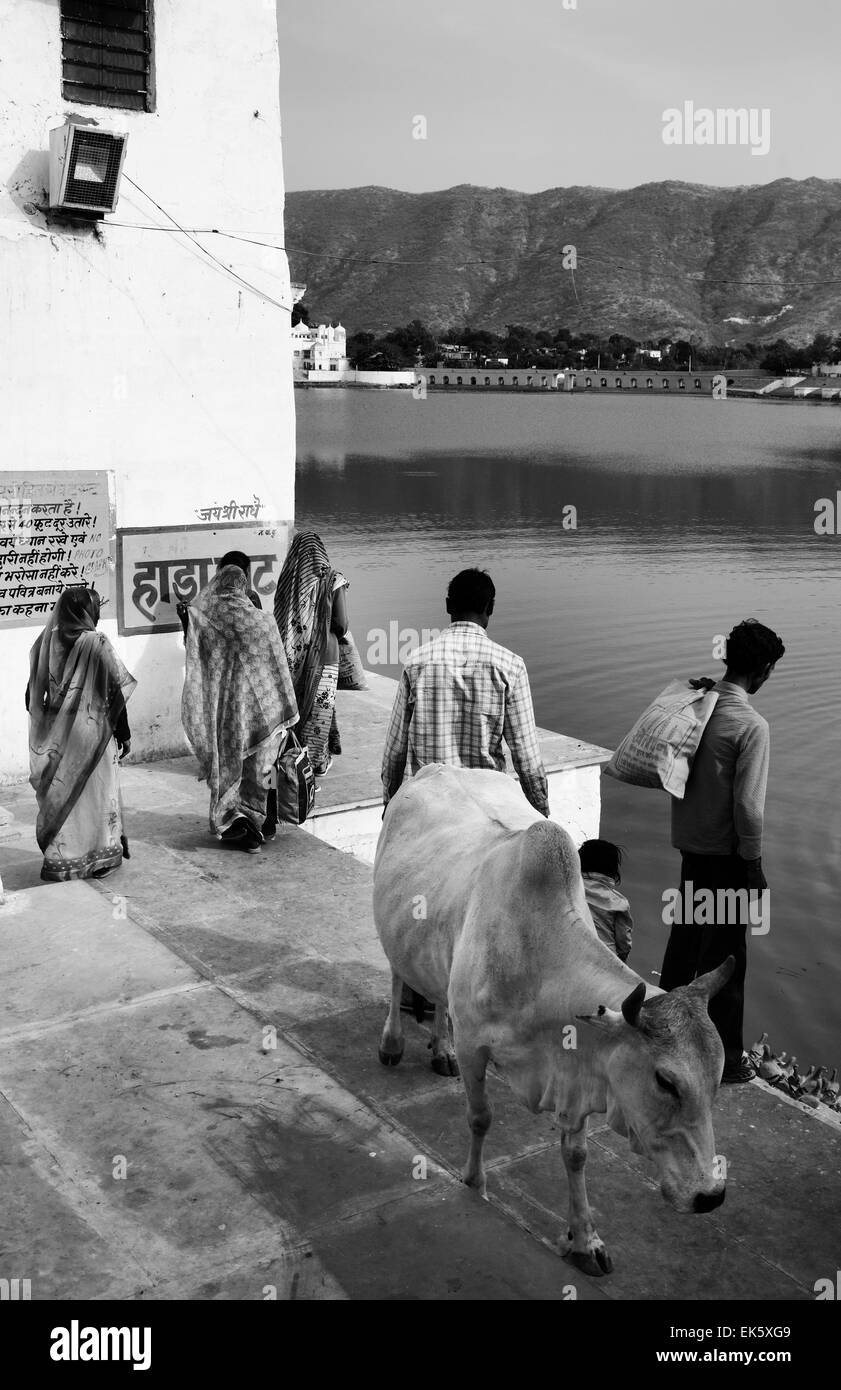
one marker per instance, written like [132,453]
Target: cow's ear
[611,1020]
[607,1019]
[708,985]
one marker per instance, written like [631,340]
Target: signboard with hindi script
[158,567]
[56,529]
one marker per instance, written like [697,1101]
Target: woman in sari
[78,734]
[311,615]
[238,700]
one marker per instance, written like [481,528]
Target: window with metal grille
[107,54]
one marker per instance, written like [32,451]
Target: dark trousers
[693,950]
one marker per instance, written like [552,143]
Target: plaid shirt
[458,697]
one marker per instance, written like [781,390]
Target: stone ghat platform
[191,1105]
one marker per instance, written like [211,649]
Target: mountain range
[680,260]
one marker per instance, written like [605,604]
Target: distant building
[829,369]
[454,354]
[319,358]
[321,349]
[530,380]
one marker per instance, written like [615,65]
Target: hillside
[664,259]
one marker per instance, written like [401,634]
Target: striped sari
[76,698]
[303,608]
[238,699]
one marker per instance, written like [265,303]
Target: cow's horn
[709,984]
[632,1005]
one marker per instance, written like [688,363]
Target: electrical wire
[206,231]
[246,284]
[777,284]
[692,277]
[199,231]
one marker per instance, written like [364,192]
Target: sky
[529,94]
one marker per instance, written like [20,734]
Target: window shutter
[106,53]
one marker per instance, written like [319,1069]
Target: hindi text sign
[56,529]
[158,567]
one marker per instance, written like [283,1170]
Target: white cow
[479,905]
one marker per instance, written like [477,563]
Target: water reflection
[691,515]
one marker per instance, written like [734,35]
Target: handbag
[295,781]
[351,670]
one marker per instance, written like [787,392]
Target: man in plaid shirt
[460,695]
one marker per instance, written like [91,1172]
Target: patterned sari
[76,700]
[303,608]
[238,698]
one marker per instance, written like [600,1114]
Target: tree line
[415,344]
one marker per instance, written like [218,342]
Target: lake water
[692,514]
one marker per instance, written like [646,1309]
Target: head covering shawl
[238,696]
[303,604]
[76,693]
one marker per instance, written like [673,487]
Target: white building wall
[355,376]
[127,349]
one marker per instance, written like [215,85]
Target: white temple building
[321,349]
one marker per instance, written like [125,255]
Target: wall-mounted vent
[85,168]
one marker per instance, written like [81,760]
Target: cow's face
[663,1065]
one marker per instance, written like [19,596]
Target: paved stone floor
[206,1023]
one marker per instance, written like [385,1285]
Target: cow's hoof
[390,1059]
[477,1182]
[592,1262]
[445,1065]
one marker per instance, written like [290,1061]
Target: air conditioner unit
[85,168]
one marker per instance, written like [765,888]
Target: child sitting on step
[600,862]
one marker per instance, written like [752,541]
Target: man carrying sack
[717,826]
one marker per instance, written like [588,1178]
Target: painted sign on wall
[158,567]
[56,529]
